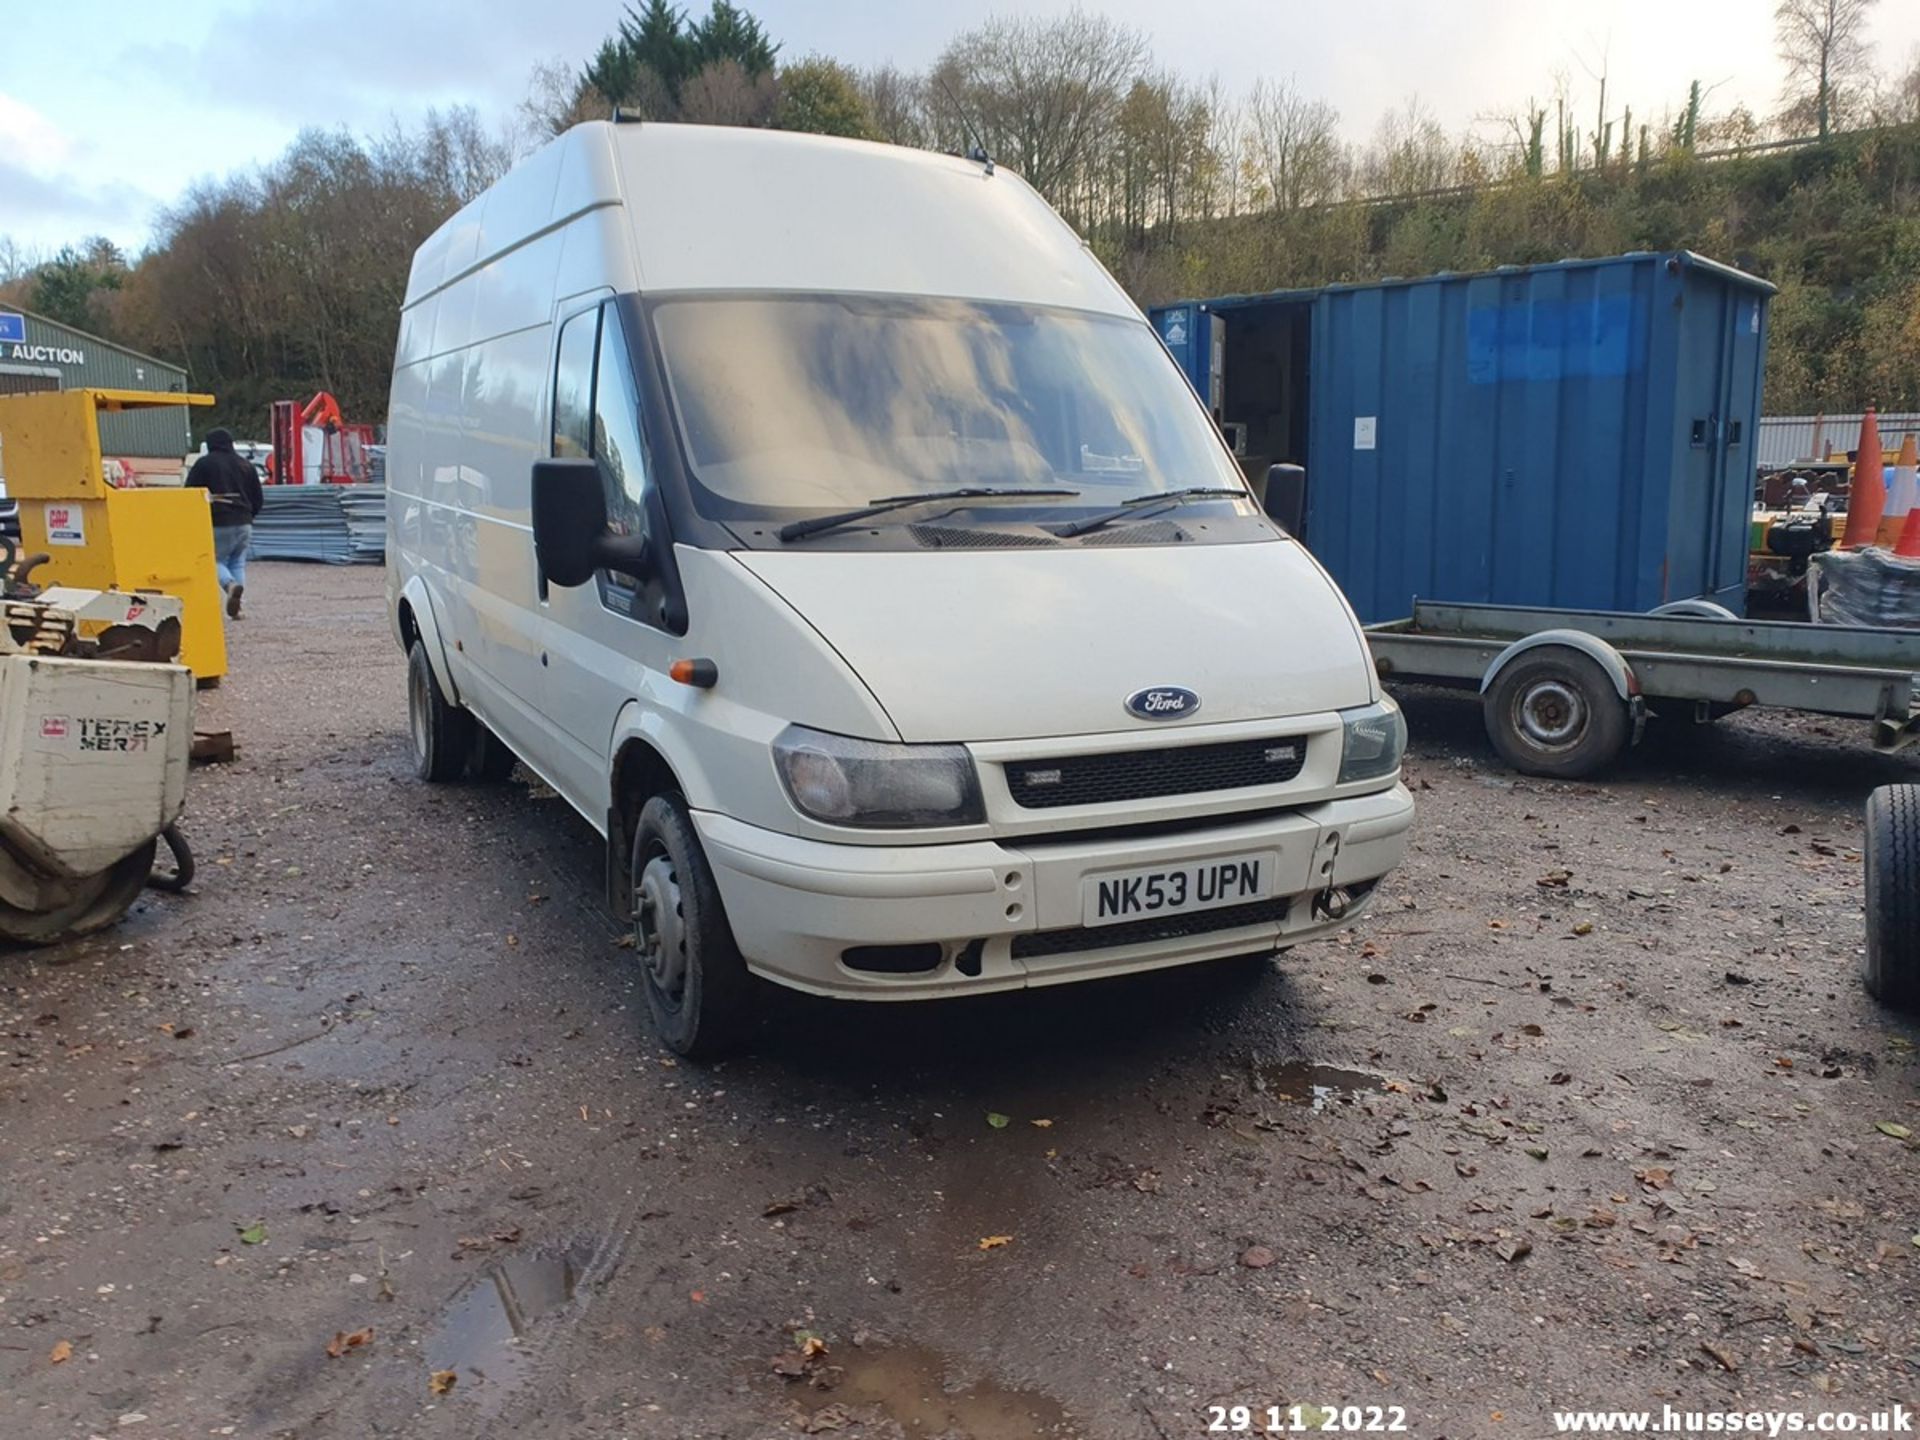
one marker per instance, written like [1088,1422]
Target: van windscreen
[790,404]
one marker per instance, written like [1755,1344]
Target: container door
[1722,342]
[1699,472]
[1196,338]
[1740,407]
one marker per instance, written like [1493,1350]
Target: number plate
[1123,895]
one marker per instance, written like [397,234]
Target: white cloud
[29,139]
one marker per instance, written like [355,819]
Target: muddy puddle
[1320,1087]
[482,1335]
[914,1388]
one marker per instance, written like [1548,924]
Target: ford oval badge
[1163,702]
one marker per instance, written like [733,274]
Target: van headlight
[866,782]
[1372,740]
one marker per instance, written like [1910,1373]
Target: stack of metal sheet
[337,524]
[366,511]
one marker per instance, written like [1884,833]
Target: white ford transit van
[826,525]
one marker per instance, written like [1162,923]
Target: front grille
[1139,932]
[1149,774]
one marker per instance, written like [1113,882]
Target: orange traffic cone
[1867,499]
[1902,494]
[1909,546]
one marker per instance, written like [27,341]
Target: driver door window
[617,442]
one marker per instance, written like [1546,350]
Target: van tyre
[1553,711]
[1891,967]
[491,760]
[698,989]
[442,732]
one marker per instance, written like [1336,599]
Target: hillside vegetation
[1835,226]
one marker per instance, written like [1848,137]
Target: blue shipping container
[1577,434]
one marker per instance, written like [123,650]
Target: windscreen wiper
[1142,507]
[818,524]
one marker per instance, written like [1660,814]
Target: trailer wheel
[78,908]
[1553,711]
[442,732]
[698,988]
[1891,968]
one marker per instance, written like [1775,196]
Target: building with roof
[41,354]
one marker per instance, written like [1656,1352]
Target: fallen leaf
[345,1340]
[1889,1127]
[997,1120]
[1041,1124]
[441,1381]
[1655,1177]
[790,1365]
[994,1242]
[1726,1358]
[254,1234]
[61,1353]
[828,1417]
[1257,1257]
[809,1343]
[779,1207]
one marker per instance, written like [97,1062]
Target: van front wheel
[442,732]
[698,989]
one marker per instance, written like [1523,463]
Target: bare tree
[724,93]
[16,261]
[558,98]
[1043,95]
[1227,144]
[896,106]
[1823,45]
[1903,101]
[1410,153]
[1293,145]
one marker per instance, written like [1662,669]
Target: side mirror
[570,536]
[1286,498]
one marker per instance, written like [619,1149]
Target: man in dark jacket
[234,488]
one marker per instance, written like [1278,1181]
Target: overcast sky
[110,108]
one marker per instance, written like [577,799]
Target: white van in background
[826,525]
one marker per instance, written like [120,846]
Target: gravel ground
[368,1137]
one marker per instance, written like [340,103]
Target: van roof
[713,207]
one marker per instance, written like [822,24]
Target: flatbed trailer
[1565,691]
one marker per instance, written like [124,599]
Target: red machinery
[317,445]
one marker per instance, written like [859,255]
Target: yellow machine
[98,537]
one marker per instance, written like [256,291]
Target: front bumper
[1007,914]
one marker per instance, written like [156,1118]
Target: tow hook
[1330,903]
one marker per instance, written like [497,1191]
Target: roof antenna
[978,154]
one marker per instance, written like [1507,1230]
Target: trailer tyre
[1891,967]
[1553,711]
[95,903]
[698,989]
[442,732]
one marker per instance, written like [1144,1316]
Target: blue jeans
[230,544]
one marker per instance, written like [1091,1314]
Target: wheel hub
[1552,714]
[660,928]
